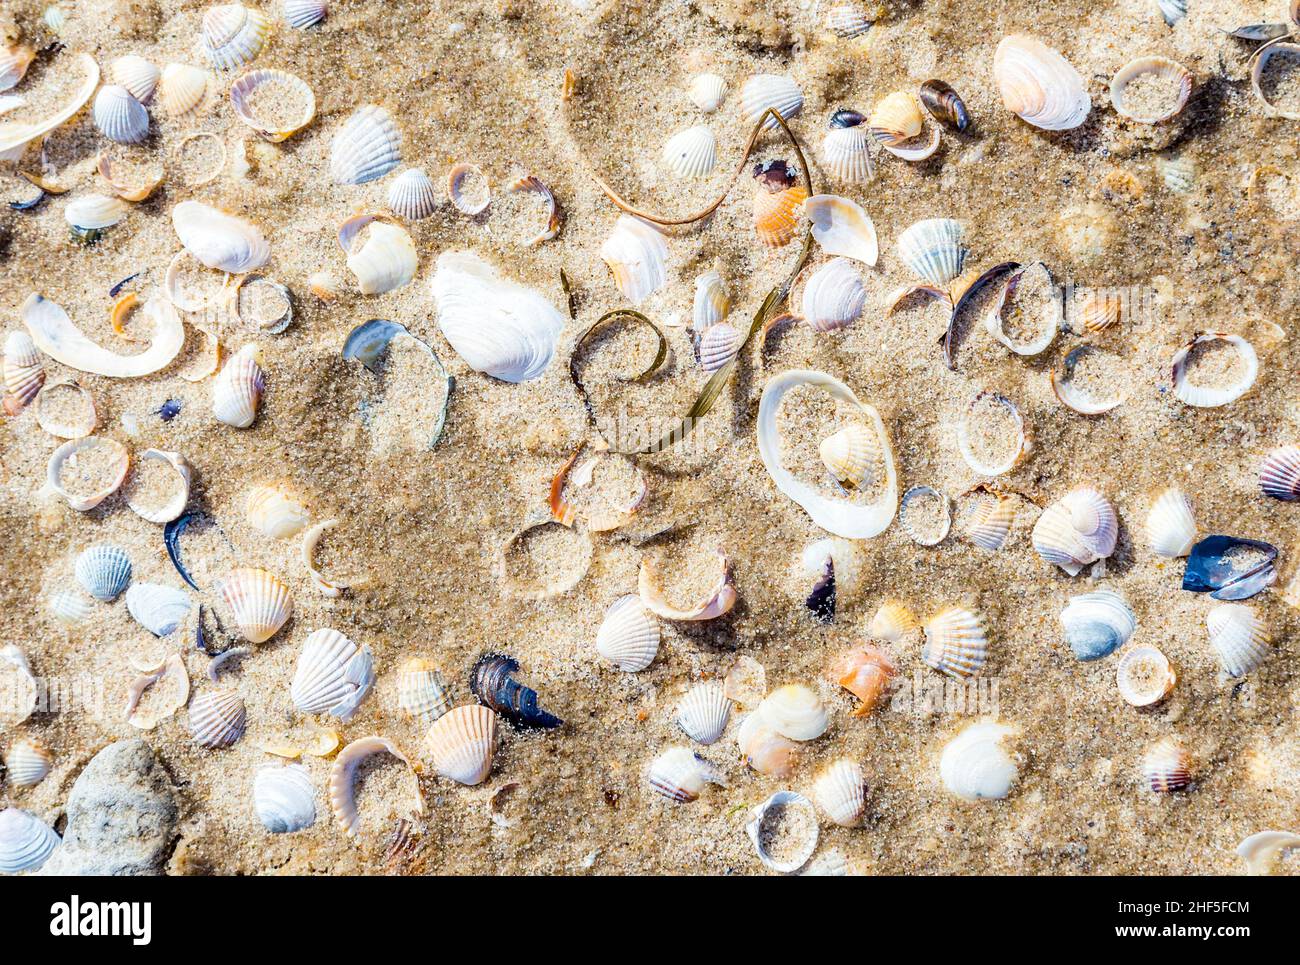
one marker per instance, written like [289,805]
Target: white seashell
[1144,677]
[718,601]
[301,14]
[259,602]
[462,742]
[719,345]
[636,254]
[64,424]
[841,227]
[333,676]
[55,335]
[1171,530]
[1279,476]
[1034,286]
[1166,766]
[680,774]
[839,792]
[828,864]
[554,216]
[1039,84]
[956,642]
[92,211]
[180,498]
[137,75]
[182,88]
[18,685]
[26,842]
[1239,638]
[891,623]
[1289,52]
[692,153]
[15,136]
[413,195]
[159,609]
[833,297]
[1178,173]
[974,765]
[1097,624]
[275,512]
[796,712]
[233,34]
[119,116]
[848,19]
[14,61]
[367,146]
[421,691]
[468,189]
[172,684]
[707,91]
[990,521]
[1172,10]
[1078,529]
[217,718]
[629,636]
[703,713]
[762,91]
[498,327]
[343,775]
[711,300]
[767,822]
[104,571]
[27,762]
[1205,396]
[69,607]
[382,256]
[66,457]
[284,798]
[23,373]
[850,455]
[846,151]
[1261,851]
[284,88]
[220,240]
[237,389]
[933,250]
[1160,67]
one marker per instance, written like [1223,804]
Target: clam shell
[767,821]
[182,88]
[119,116]
[692,153]
[841,227]
[1170,528]
[1160,67]
[848,19]
[629,636]
[891,622]
[703,713]
[421,691]
[243,97]
[897,118]
[850,454]
[259,602]
[1035,286]
[413,195]
[1279,476]
[933,250]
[765,750]
[1166,766]
[14,61]
[637,256]
[1229,567]
[159,609]
[1144,676]
[1078,529]
[220,240]
[707,91]
[975,765]
[839,792]
[233,35]
[711,300]
[777,213]
[274,511]
[284,798]
[1205,396]
[237,389]
[846,154]
[833,297]
[104,571]
[137,75]
[987,466]
[176,505]
[989,523]
[23,373]
[66,456]
[1039,84]
[69,607]
[333,675]
[956,642]
[680,774]
[89,212]
[366,147]
[27,762]
[462,742]
[301,14]
[796,712]
[1097,624]
[937,531]
[762,91]
[382,256]
[81,423]
[26,842]
[15,136]
[217,718]
[343,775]
[1239,638]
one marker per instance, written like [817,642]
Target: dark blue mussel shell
[821,601]
[492,682]
[1216,566]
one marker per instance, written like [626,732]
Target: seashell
[1230,568]
[841,227]
[846,152]
[80,423]
[840,559]
[492,681]
[15,136]
[1261,851]
[27,763]
[778,203]
[134,187]
[784,831]
[796,712]
[367,146]
[159,609]
[1078,529]
[259,602]
[897,118]
[1164,70]
[217,718]
[924,529]
[498,327]
[945,104]
[468,189]
[343,775]
[680,774]
[137,75]
[1205,396]
[1166,766]
[233,34]
[413,195]
[461,743]
[974,765]
[763,91]
[26,842]
[850,455]
[692,153]
[848,19]
[765,750]
[989,523]
[1171,531]
[382,256]
[839,792]
[718,346]
[69,607]
[103,571]
[173,507]
[1029,291]
[707,91]
[18,685]
[237,389]
[285,89]
[892,622]
[301,14]
[181,89]
[274,511]
[553,217]
[1290,52]
[636,254]
[629,636]
[1039,84]
[91,212]
[956,642]
[23,373]
[1279,476]
[284,798]
[1172,10]
[828,864]
[14,61]
[1144,676]
[865,671]
[421,691]
[119,116]
[717,602]
[1097,624]
[1239,638]
[833,297]
[66,457]
[933,250]
[310,540]
[967,437]
[220,240]
[703,713]
[173,684]
[333,675]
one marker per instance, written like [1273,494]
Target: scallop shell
[841,227]
[27,762]
[462,742]
[989,523]
[975,765]
[66,455]
[850,455]
[897,118]
[1144,677]
[680,774]
[1206,396]
[23,373]
[846,152]
[1239,638]
[182,88]
[1097,624]
[81,422]
[777,213]
[237,389]
[1160,66]
[220,240]
[274,511]
[413,195]
[242,97]
[718,346]
[421,691]
[768,815]
[1171,530]
[933,250]
[119,116]
[892,622]
[1049,308]
[637,255]
[159,609]
[1039,84]
[104,571]
[385,260]
[176,505]
[233,34]
[956,642]
[284,798]
[1279,476]
[333,675]
[498,327]
[692,153]
[1078,529]
[629,636]
[91,212]
[26,842]
[839,792]
[69,607]
[796,712]
[14,61]
[707,91]
[301,14]
[217,718]
[833,297]
[367,146]
[1166,766]
[259,602]
[848,19]
[343,775]
[137,75]
[762,91]
[703,713]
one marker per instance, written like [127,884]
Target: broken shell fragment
[1030,302]
[717,602]
[637,256]
[1208,396]
[259,602]
[865,672]
[104,571]
[680,774]
[1279,476]
[841,227]
[839,792]
[237,389]
[14,136]
[492,681]
[284,798]
[1170,528]
[274,511]
[119,116]
[412,195]
[72,419]
[1289,52]
[956,642]
[343,776]
[1074,396]
[1163,81]
[295,104]
[846,151]
[539,187]
[19,686]
[169,681]
[992,453]
[333,675]
[14,61]
[468,189]
[975,765]
[629,636]
[692,153]
[462,742]
[763,91]
[945,104]
[1261,851]
[220,240]
[1239,638]
[366,147]
[159,609]
[1230,568]
[380,255]
[784,831]
[1097,624]
[310,540]
[128,190]
[1144,676]
[88,470]
[1039,84]
[145,504]
[766,750]
[421,691]
[217,719]
[1079,528]
[703,713]
[1166,766]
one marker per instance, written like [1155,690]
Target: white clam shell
[1239,637]
[26,842]
[680,774]
[182,88]
[839,792]
[237,390]
[284,798]
[846,154]
[14,136]
[692,153]
[711,302]
[413,195]
[421,691]
[1034,286]
[275,512]
[220,240]
[762,91]
[1039,84]
[841,227]
[66,457]
[1170,528]
[259,601]
[1166,766]
[707,92]
[1206,396]
[343,774]
[159,609]
[380,255]
[833,297]
[233,34]
[103,571]
[703,713]
[975,765]
[119,116]
[1289,52]
[217,718]
[367,146]
[462,742]
[629,636]
[719,345]
[301,14]
[284,87]
[333,675]
[933,250]
[27,762]
[137,75]
[498,327]
[637,255]
[1079,528]
[795,711]
[1097,624]
[766,818]
[91,211]
[18,685]
[180,497]
[956,642]
[1160,66]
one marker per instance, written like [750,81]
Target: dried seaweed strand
[661,354]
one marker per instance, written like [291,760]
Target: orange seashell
[778,203]
[864,672]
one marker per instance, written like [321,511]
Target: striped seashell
[989,523]
[762,91]
[1097,624]
[217,718]
[343,775]
[1178,173]
[91,212]
[1039,84]
[839,791]
[707,92]
[26,842]
[850,455]
[1166,766]
[333,675]
[103,571]
[711,300]
[956,642]
[69,607]
[892,622]
[692,153]
[896,119]
[301,14]
[777,206]
[468,189]
[366,147]
[237,389]
[1078,529]
[828,864]
[259,602]
[848,19]
[274,511]
[975,765]
[119,116]
[703,713]
[159,609]
[380,255]
[233,35]
[1172,10]
[181,89]
[1160,67]
[1239,638]
[629,636]
[27,762]
[413,195]
[284,798]
[14,61]
[421,691]
[637,256]
[1279,476]
[285,88]
[833,297]
[462,742]
[1144,677]
[1170,528]
[137,75]
[846,151]
[933,250]
[680,774]
[23,373]
[718,345]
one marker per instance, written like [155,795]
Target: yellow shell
[895,119]
[776,214]
[849,454]
[275,511]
